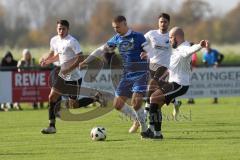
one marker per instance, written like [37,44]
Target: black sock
[85,102]
[147,109]
[57,105]
[54,107]
[159,120]
[155,116]
[51,111]
[148,96]
[52,124]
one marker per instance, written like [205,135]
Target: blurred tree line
[32,23]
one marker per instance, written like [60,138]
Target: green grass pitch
[204,131]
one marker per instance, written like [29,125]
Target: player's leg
[158,75]
[85,101]
[155,73]
[120,105]
[54,99]
[136,102]
[176,109]
[161,76]
[164,95]
[100,98]
[152,86]
[155,115]
[122,93]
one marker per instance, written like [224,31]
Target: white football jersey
[180,68]
[161,48]
[67,49]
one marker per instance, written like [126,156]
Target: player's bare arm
[97,53]
[49,59]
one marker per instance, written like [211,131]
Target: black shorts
[172,90]
[161,73]
[67,88]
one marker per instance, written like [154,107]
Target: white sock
[175,102]
[141,117]
[157,133]
[146,109]
[129,112]
[151,127]
[147,105]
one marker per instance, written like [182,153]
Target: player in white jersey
[65,49]
[159,51]
[179,76]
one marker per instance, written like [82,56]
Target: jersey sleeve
[147,37]
[142,39]
[52,45]
[76,46]
[189,50]
[112,42]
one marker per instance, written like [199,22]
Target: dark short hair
[119,19]
[164,15]
[63,22]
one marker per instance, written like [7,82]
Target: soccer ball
[98,134]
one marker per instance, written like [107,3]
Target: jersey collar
[66,37]
[162,33]
[128,33]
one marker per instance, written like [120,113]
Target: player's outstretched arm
[195,48]
[97,53]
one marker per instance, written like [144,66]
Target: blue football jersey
[130,48]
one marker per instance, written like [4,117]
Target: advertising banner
[30,86]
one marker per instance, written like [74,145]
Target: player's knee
[118,105]
[136,104]
[137,107]
[156,98]
[52,98]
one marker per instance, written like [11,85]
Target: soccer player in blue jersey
[133,83]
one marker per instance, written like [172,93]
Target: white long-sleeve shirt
[180,68]
[160,49]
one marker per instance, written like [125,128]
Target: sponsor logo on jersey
[126,45]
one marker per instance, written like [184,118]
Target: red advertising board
[30,86]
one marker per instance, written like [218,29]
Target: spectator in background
[193,65]
[8,63]
[28,63]
[212,58]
